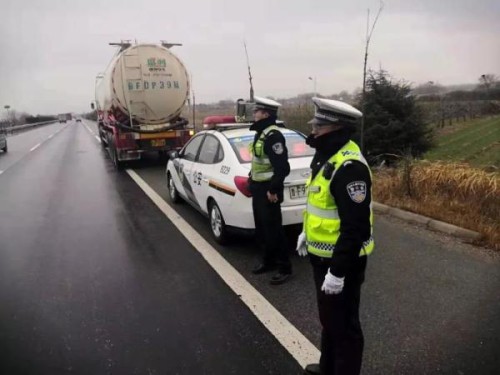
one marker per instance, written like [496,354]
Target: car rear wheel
[217,224]
[172,190]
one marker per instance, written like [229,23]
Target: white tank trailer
[139,100]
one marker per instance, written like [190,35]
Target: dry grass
[450,192]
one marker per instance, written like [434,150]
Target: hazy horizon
[52,49]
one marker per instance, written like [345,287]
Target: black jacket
[354,217]
[275,149]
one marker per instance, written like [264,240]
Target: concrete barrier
[16,128]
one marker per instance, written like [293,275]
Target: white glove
[332,284]
[301,245]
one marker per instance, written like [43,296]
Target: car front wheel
[172,190]
[217,224]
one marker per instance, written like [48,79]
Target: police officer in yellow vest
[269,168]
[337,234]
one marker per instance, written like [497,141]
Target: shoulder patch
[357,191]
[278,148]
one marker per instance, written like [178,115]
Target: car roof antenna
[249,72]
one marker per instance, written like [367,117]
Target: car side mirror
[174,154]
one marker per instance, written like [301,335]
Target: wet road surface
[430,304]
[95,280]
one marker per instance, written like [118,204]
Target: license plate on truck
[157,142]
[297,191]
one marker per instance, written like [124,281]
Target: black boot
[263,268]
[280,278]
[312,369]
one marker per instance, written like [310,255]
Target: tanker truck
[139,100]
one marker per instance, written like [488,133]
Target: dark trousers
[341,337]
[269,229]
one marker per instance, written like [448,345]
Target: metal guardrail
[16,128]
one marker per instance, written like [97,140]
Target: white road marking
[90,130]
[33,148]
[285,332]
[94,134]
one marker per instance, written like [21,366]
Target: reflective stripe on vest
[262,169]
[321,219]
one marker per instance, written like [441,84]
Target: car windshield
[295,143]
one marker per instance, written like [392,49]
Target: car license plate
[157,142]
[297,191]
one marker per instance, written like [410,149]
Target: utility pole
[314,82]
[368,38]
[249,72]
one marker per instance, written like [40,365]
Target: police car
[211,173]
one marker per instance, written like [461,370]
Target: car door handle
[204,179]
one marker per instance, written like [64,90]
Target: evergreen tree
[394,124]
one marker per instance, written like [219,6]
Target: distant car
[3,140]
[211,173]
[78,119]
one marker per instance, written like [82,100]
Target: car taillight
[241,183]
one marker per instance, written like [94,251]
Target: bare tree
[369,33]
[487,80]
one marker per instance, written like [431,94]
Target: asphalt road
[93,279]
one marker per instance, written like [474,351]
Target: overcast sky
[51,50]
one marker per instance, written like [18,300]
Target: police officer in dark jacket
[337,234]
[269,169]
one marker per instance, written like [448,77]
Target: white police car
[211,173]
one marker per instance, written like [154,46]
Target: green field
[476,142]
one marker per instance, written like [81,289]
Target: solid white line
[35,147]
[284,331]
[50,136]
[90,130]
[1,172]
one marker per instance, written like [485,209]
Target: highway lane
[22,144]
[95,280]
[430,303]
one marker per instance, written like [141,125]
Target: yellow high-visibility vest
[321,218]
[262,170]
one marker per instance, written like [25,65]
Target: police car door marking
[357,191]
[197,177]
[179,167]
[224,169]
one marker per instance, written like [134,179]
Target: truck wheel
[5,148]
[172,191]
[114,156]
[104,141]
[217,224]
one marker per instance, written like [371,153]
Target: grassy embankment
[459,183]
